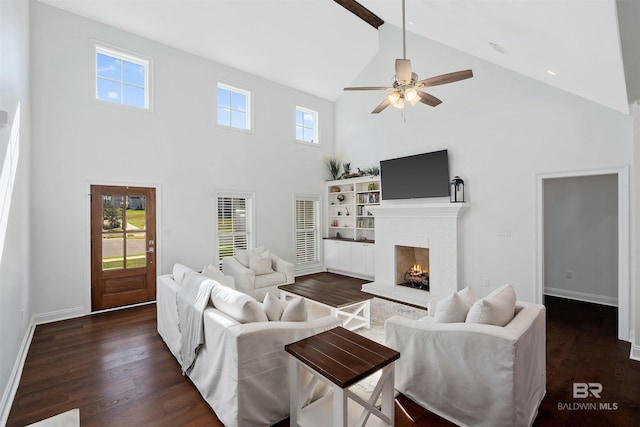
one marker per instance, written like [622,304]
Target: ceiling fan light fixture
[399,104]
[410,94]
[393,97]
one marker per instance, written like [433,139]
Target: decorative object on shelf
[340,197]
[372,170]
[456,190]
[347,209]
[334,189]
[406,83]
[334,167]
[371,186]
[339,213]
[337,235]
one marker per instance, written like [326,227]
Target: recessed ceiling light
[551,72]
[498,48]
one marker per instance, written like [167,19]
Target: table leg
[294,391]
[340,418]
[388,404]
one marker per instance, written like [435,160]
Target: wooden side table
[342,358]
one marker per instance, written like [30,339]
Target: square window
[122,78]
[234,107]
[306,125]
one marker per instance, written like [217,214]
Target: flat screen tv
[415,177]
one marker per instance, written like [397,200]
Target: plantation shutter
[307,230]
[233,225]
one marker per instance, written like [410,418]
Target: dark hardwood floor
[117,370]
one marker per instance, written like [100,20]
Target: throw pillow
[243,255]
[260,263]
[179,271]
[467,295]
[497,308]
[295,310]
[273,307]
[452,309]
[237,305]
[212,272]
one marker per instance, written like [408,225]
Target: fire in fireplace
[412,267]
[416,277]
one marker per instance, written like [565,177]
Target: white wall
[178,147]
[15,295]
[581,237]
[501,129]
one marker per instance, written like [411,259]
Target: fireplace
[412,267]
[432,236]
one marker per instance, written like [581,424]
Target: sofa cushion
[260,263]
[243,255]
[295,310]
[241,307]
[452,309]
[273,307]
[179,271]
[497,308]
[212,272]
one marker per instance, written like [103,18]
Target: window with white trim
[234,107]
[122,78]
[307,229]
[235,213]
[306,125]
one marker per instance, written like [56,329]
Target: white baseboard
[54,316]
[310,270]
[14,380]
[635,352]
[581,296]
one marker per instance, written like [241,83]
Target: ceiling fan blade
[425,98]
[368,88]
[445,78]
[403,71]
[384,104]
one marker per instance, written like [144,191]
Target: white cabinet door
[369,259]
[332,254]
[357,258]
[345,259]
[362,262]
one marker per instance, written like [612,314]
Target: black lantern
[456,190]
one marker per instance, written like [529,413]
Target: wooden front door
[123,246]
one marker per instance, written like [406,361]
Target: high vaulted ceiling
[319,47]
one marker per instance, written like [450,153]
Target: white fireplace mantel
[436,226]
[423,210]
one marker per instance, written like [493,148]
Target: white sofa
[242,369]
[473,374]
[255,281]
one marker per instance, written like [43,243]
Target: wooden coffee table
[350,305]
[342,358]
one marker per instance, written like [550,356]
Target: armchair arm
[244,277]
[283,266]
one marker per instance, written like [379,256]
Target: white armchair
[258,271]
[473,374]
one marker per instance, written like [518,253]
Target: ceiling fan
[406,84]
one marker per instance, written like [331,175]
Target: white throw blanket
[192,299]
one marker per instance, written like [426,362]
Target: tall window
[234,223]
[234,107]
[122,78]
[306,125]
[307,232]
